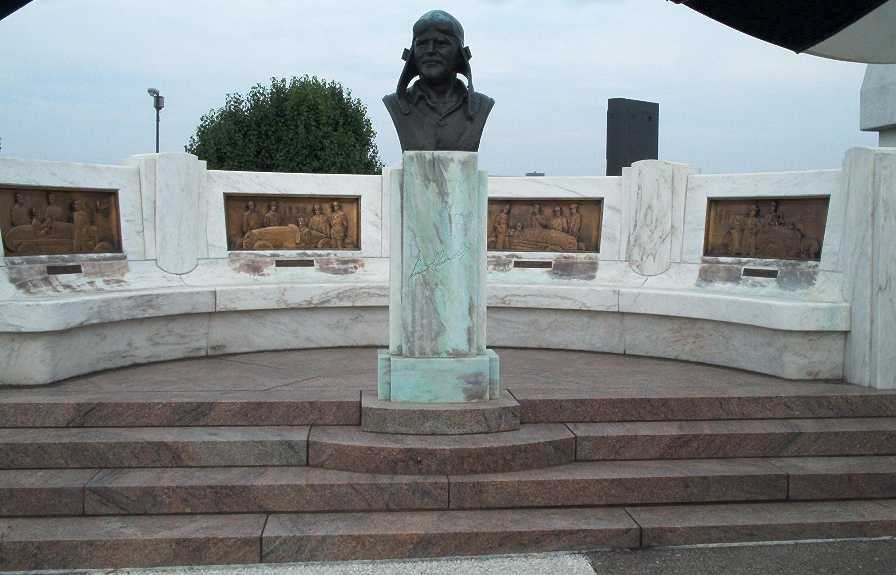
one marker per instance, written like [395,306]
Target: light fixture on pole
[158,103]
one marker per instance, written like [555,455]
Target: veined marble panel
[35,315]
[123,179]
[870,278]
[883,354]
[29,278]
[554,297]
[762,185]
[786,315]
[180,212]
[796,281]
[302,296]
[242,332]
[39,358]
[556,329]
[368,188]
[654,208]
[788,354]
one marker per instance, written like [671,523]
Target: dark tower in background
[633,129]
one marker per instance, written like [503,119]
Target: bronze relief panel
[40,221]
[561,226]
[766,228]
[292,222]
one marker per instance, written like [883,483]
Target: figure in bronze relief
[20,213]
[338,226]
[439,111]
[272,217]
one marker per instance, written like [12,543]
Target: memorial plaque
[766,228]
[561,226]
[256,223]
[58,221]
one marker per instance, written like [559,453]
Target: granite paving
[322,387]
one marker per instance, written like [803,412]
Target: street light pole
[158,103]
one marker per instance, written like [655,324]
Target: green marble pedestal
[437,309]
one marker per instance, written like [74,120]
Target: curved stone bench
[49,338]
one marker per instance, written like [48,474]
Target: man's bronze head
[437,53]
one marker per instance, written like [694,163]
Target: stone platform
[263,458]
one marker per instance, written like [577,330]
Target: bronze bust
[439,111]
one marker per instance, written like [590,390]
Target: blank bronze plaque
[292,222]
[54,221]
[544,225]
[766,228]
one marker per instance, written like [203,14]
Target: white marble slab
[787,315]
[870,257]
[39,358]
[57,314]
[553,297]
[788,354]
[368,188]
[123,179]
[878,97]
[180,212]
[784,184]
[290,296]
[858,254]
[298,329]
[883,354]
[654,211]
[555,329]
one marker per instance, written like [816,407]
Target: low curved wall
[37,358]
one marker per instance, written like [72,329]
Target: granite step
[820,478]
[746,522]
[74,448]
[352,449]
[730,438]
[258,490]
[623,483]
[178,490]
[129,541]
[658,402]
[182,409]
[357,536]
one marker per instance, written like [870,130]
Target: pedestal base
[407,418]
[439,379]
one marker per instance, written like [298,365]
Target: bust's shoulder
[391,101]
[482,102]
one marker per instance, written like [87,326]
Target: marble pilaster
[437,308]
[869,256]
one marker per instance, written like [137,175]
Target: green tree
[298,125]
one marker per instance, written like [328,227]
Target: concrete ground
[850,557]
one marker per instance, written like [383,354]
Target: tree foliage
[298,125]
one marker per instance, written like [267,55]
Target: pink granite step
[622,483]
[29,448]
[139,541]
[352,449]
[353,536]
[730,438]
[744,522]
[257,490]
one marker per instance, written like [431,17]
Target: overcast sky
[74,75]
